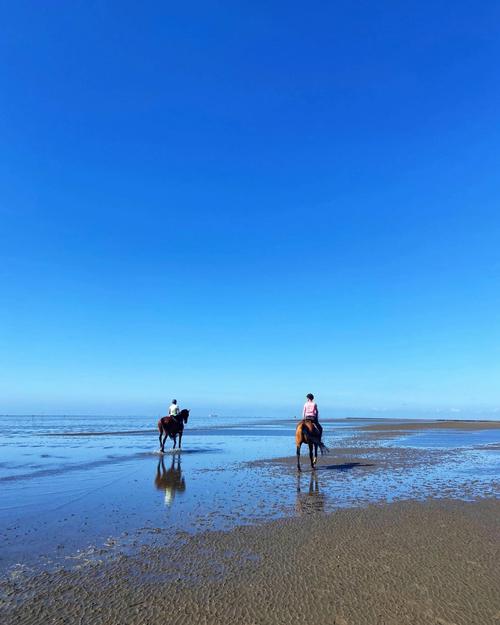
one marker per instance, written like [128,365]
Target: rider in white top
[173,411]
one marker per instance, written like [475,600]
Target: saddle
[169,420]
[314,427]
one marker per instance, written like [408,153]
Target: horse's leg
[311,455]
[315,454]
[175,441]
[298,457]
[161,444]
[180,439]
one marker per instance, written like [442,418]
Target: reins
[180,421]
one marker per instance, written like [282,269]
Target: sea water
[75,486]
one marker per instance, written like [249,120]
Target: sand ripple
[400,564]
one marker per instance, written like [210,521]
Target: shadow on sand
[346,466]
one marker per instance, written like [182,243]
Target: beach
[397,564]
[399,524]
[218,220]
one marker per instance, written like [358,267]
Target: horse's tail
[323,448]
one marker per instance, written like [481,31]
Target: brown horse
[171,427]
[170,480]
[309,433]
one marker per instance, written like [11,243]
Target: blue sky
[240,203]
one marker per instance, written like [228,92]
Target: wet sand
[432,425]
[404,563]
[367,459]
[393,527]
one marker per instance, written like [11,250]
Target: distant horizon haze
[284,411]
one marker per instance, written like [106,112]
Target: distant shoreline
[458,424]
[423,420]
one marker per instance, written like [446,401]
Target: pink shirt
[310,410]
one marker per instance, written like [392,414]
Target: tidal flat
[399,523]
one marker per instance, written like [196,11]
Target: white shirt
[173,410]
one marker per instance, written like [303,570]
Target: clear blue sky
[239,203]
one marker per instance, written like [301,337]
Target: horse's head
[184,415]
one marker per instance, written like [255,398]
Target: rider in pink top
[310,408]
[311,413]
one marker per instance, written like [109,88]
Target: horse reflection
[312,501]
[170,480]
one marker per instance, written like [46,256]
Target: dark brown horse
[309,432]
[172,427]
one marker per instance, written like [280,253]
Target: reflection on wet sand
[170,480]
[313,500]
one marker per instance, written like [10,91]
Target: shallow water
[75,487]
[447,439]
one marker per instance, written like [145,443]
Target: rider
[311,413]
[173,410]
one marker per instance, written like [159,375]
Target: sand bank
[406,563]
[433,425]
[366,458]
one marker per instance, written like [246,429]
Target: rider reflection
[311,501]
[170,480]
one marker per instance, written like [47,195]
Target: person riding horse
[309,431]
[172,425]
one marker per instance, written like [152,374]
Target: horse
[170,480]
[171,427]
[309,433]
